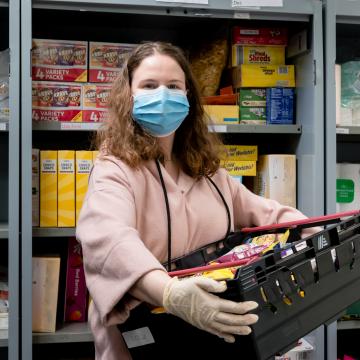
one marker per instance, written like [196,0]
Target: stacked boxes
[240,160]
[276,178]
[64,178]
[260,74]
[60,71]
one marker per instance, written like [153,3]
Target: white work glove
[192,300]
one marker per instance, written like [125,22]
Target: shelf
[257,129]
[4,3]
[3,338]
[4,125]
[68,333]
[4,231]
[65,126]
[233,128]
[348,325]
[53,232]
[348,130]
[291,9]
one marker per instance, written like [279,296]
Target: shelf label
[202,2]
[241,15]
[217,128]
[2,126]
[342,131]
[257,3]
[79,126]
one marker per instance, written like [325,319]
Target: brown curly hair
[196,149]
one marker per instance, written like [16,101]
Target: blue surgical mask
[160,111]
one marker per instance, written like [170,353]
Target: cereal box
[242,152]
[264,55]
[222,114]
[76,291]
[56,101]
[84,162]
[66,188]
[252,75]
[48,188]
[59,60]
[259,36]
[95,101]
[106,60]
[239,168]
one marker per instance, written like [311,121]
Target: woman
[155,194]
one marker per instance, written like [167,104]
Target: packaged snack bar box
[59,60]
[259,36]
[56,101]
[95,102]
[106,60]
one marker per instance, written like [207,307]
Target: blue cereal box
[279,106]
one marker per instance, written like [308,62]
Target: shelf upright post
[26,181]
[14,170]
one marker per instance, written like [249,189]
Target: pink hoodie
[123,232]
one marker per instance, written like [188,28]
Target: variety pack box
[276,178]
[239,168]
[259,36]
[106,60]
[279,106]
[35,187]
[252,97]
[223,114]
[48,188]
[45,288]
[84,162]
[75,290]
[56,101]
[66,188]
[253,115]
[251,75]
[264,55]
[95,102]
[242,152]
[59,60]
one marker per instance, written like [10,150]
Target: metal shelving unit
[68,333]
[233,128]
[53,232]
[336,12]
[348,325]
[9,177]
[309,143]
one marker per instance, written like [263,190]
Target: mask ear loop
[167,213]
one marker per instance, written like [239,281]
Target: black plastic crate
[298,289]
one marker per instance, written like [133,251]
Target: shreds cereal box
[95,102]
[56,101]
[106,60]
[59,60]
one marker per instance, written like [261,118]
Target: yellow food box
[95,155]
[84,161]
[222,114]
[240,168]
[251,75]
[242,152]
[66,188]
[48,189]
[264,55]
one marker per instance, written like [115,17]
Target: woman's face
[157,70]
